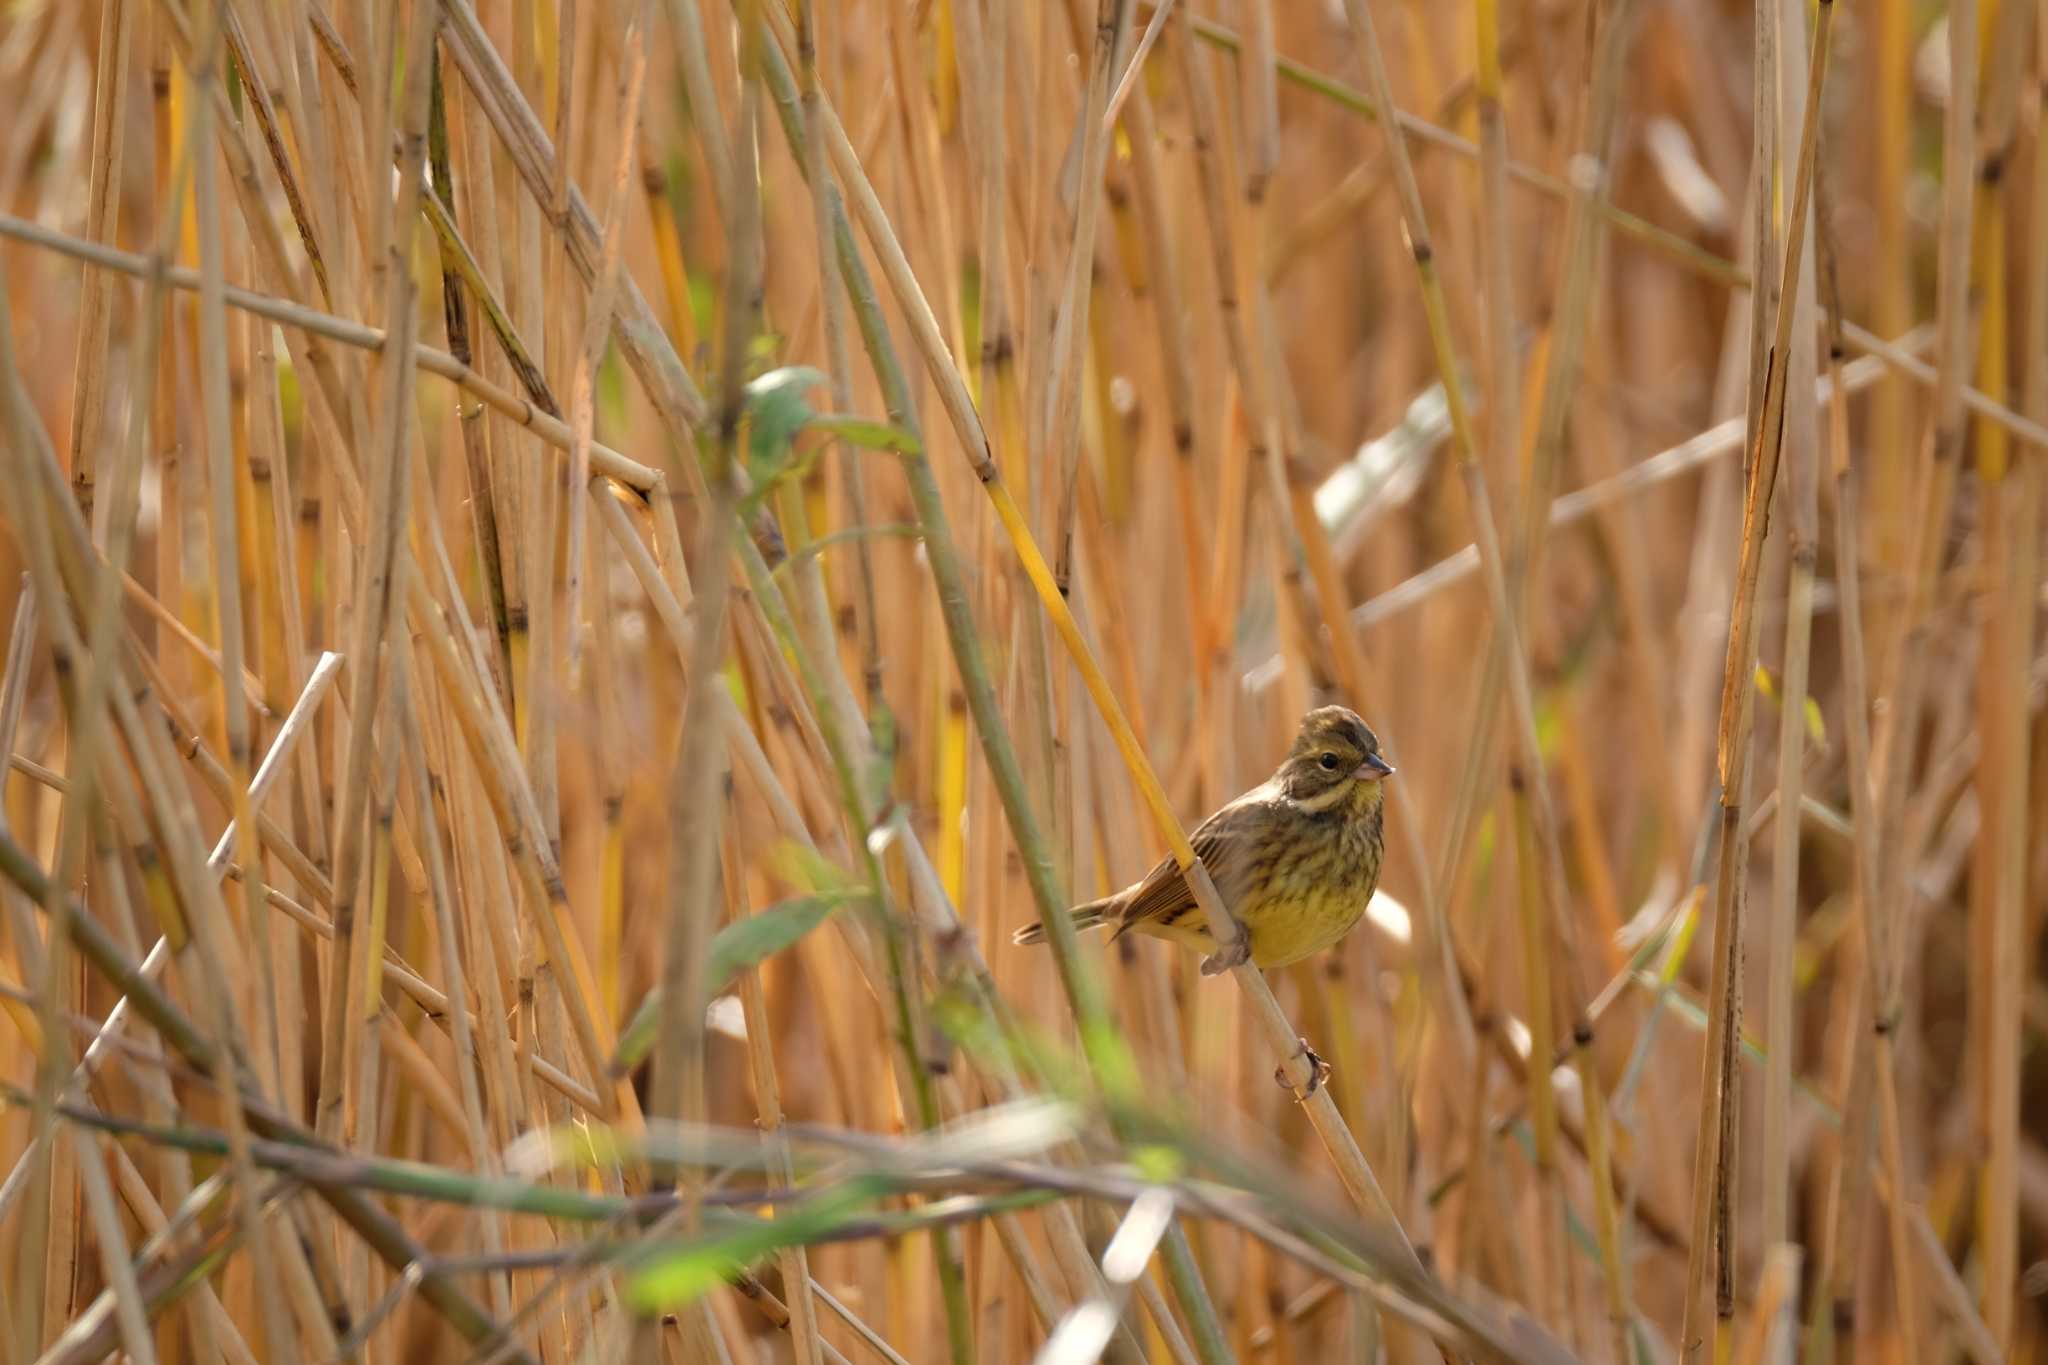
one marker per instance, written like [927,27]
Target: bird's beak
[1373,769]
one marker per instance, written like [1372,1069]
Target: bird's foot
[1235,953]
[1318,1070]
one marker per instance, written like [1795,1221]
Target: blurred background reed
[572,569]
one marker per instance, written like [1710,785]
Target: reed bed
[571,570]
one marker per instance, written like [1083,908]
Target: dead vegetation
[575,568]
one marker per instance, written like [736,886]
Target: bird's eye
[1329,762]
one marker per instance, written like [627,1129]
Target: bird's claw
[1318,1070]
[1235,953]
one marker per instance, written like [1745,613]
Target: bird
[1296,858]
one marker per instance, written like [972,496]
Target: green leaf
[636,1040]
[703,297]
[1681,941]
[676,1275]
[762,348]
[882,726]
[1160,1164]
[970,321]
[611,389]
[745,942]
[805,867]
[865,431]
[776,411]
[290,401]
[734,948]
[878,772]
[1549,725]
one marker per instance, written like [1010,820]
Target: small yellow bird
[1295,858]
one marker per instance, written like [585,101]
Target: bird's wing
[1224,842]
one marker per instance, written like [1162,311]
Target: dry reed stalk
[1542,818]
[1412,126]
[1802,552]
[1562,358]
[1259,444]
[1770,1336]
[862,295]
[1060,427]
[1272,414]
[513,814]
[696,811]
[51,1248]
[389,490]
[1998,875]
[1892,291]
[1923,543]
[110,115]
[1946,431]
[675,397]
[225,530]
[768,1099]
[1421,250]
[1834,1271]
[1497,263]
[41,85]
[1191,451]
[1714,1170]
[59,985]
[389,1241]
[213,1321]
[523,411]
[143,741]
[846,744]
[1722,439]
[598,308]
[981,702]
[108,1033]
[467,775]
[833,309]
[2023,873]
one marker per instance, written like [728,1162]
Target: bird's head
[1335,756]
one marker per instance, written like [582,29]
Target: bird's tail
[1093,915]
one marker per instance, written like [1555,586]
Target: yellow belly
[1284,929]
